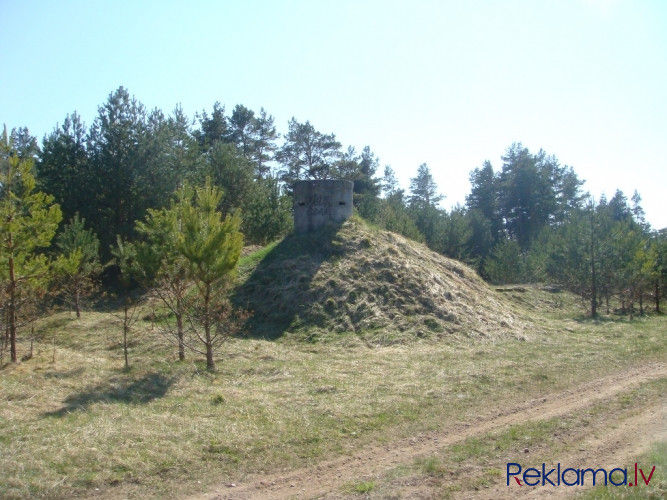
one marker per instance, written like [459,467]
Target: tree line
[530,222]
[136,199]
[115,198]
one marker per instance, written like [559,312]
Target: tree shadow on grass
[614,317]
[277,289]
[141,391]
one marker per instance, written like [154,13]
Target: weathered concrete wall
[318,202]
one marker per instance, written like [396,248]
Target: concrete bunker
[319,202]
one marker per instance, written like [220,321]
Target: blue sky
[447,83]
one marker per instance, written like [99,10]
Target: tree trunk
[11,313]
[657,296]
[631,304]
[181,335]
[594,297]
[76,302]
[179,328]
[126,327]
[210,362]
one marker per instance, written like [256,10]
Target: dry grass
[478,462]
[83,426]
[376,285]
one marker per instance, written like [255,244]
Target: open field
[448,414]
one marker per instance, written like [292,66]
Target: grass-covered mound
[356,279]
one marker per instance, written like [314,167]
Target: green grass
[657,488]
[431,466]
[251,260]
[360,487]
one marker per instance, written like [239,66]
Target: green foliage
[307,153]
[456,234]
[232,173]
[266,213]
[161,267]
[504,265]
[28,222]
[29,217]
[240,130]
[79,263]
[132,160]
[639,266]
[63,169]
[118,177]
[392,214]
[211,247]
[660,269]
[423,189]
[125,257]
[264,136]
[602,252]
[185,244]
[360,169]
[172,154]
[528,193]
[213,128]
[481,238]
[483,198]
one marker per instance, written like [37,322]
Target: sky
[447,83]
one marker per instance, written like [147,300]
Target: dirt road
[610,447]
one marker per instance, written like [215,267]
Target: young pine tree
[124,254]
[161,267]
[211,246]
[28,222]
[79,264]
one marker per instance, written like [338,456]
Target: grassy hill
[356,279]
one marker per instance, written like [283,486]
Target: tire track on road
[328,476]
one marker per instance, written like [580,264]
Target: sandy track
[318,480]
[617,447]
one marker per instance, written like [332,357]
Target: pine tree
[79,264]
[160,266]
[660,272]
[63,169]
[211,246]
[483,198]
[389,182]
[423,189]
[241,125]
[125,257]
[505,263]
[232,173]
[214,128]
[28,222]
[526,198]
[264,137]
[307,153]
[267,214]
[121,188]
